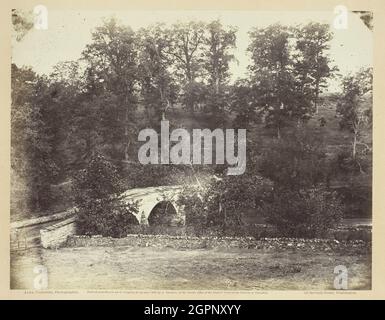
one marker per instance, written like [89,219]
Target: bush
[216,207]
[192,200]
[97,195]
[346,164]
[307,214]
[297,161]
[230,196]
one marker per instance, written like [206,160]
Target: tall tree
[158,87]
[243,103]
[217,53]
[271,73]
[78,103]
[66,87]
[31,145]
[312,64]
[217,56]
[355,114]
[186,44]
[112,66]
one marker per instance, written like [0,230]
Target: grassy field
[168,269]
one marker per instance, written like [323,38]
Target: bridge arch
[152,198]
[163,213]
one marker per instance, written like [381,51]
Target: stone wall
[350,233]
[63,233]
[257,231]
[56,235]
[184,242]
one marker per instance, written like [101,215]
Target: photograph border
[378,231]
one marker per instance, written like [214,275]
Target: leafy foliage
[288,70]
[354,114]
[112,75]
[217,205]
[194,206]
[312,65]
[31,143]
[158,86]
[305,213]
[100,208]
[296,162]
[244,104]
[271,73]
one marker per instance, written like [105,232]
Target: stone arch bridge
[151,197]
[54,234]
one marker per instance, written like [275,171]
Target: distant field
[168,269]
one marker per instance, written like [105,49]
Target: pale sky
[69,31]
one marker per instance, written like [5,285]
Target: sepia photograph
[191,149]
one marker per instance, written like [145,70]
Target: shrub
[230,196]
[216,206]
[346,164]
[97,195]
[305,213]
[297,161]
[192,200]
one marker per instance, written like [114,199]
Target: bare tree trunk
[126,145]
[316,98]
[126,138]
[216,84]
[165,104]
[278,132]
